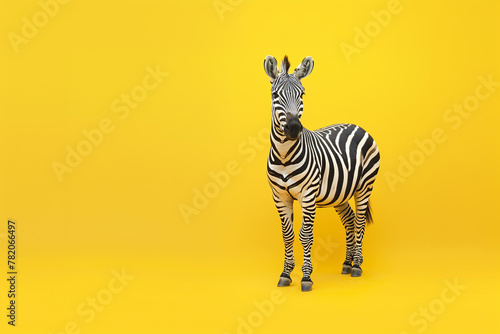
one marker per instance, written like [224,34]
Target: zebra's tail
[369,214]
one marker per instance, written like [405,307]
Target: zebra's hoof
[346,269]
[306,285]
[356,272]
[284,281]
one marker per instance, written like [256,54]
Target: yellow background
[120,209]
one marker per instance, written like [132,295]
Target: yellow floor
[399,293]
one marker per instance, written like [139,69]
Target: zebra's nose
[293,128]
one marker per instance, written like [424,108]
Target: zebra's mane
[285,65]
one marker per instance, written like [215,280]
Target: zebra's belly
[334,194]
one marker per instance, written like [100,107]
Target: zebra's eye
[275,95]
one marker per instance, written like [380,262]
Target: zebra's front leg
[285,210]
[306,239]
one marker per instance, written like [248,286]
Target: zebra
[321,168]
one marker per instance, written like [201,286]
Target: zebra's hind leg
[285,210]
[362,211]
[347,217]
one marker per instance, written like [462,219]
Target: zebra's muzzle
[293,127]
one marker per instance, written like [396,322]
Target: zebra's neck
[283,148]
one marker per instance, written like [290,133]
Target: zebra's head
[287,92]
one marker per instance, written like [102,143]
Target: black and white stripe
[322,168]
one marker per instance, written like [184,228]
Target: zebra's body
[335,159]
[322,168]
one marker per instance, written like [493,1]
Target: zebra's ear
[271,67]
[305,68]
